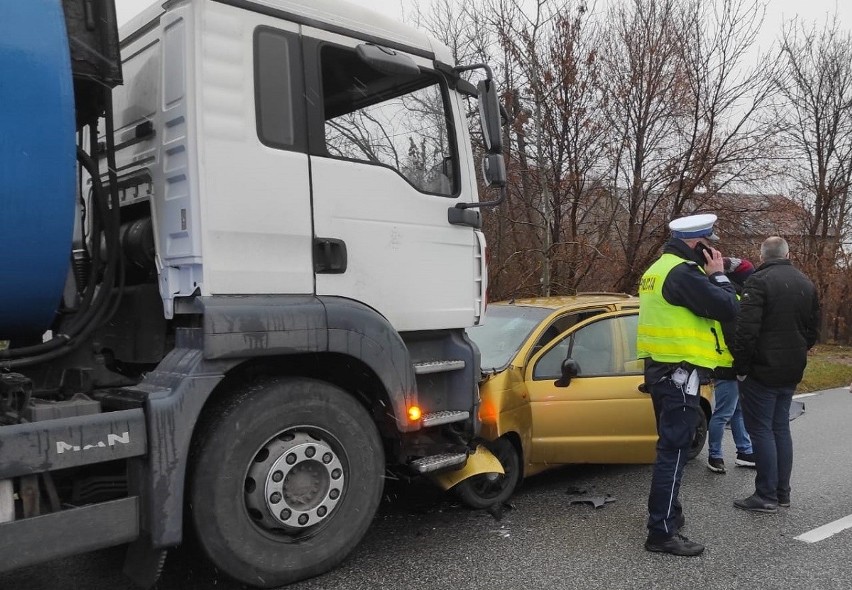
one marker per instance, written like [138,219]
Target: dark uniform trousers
[677,417]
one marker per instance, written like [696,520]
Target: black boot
[755,503]
[676,545]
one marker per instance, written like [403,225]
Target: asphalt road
[421,538]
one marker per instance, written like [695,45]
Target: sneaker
[676,545]
[716,465]
[745,460]
[783,501]
[755,503]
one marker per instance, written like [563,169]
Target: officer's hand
[714,261]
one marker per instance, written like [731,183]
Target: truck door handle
[469,217]
[329,256]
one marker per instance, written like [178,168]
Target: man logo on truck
[111,441]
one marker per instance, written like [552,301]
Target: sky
[808,10]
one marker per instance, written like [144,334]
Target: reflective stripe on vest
[672,333]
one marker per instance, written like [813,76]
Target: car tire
[486,490]
[700,438]
[266,509]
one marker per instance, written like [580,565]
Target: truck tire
[285,480]
[484,491]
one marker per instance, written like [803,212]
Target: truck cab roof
[331,15]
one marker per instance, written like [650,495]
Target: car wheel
[700,436]
[286,478]
[486,490]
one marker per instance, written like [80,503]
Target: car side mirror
[570,369]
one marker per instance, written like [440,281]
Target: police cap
[694,226]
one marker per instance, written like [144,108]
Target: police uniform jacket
[706,296]
[728,333]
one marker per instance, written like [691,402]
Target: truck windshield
[504,331]
[400,121]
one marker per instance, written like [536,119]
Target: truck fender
[265,325]
[241,328]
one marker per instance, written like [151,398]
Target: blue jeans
[677,417]
[727,409]
[767,416]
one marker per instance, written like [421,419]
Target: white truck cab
[287,163]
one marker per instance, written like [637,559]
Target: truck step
[437,367]
[435,463]
[444,417]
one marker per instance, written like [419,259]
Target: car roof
[616,300]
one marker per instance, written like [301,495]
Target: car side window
[594,348]
[630,328]
[549,366]
[562,324]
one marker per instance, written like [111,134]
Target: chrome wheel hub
[295,482]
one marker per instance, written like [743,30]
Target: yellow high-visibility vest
[672,333]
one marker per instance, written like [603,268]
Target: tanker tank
[37,165]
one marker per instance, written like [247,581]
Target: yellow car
[560,384]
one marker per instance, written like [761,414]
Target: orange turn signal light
[414,413]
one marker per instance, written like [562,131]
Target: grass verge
[829,366]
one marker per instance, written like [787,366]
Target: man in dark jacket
[778,323]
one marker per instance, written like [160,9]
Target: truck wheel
[486,490]
[285,481]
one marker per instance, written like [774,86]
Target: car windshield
[504,331]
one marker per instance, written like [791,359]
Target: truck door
[233,94]
[256,206]
[385,168]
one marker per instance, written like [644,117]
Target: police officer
[681,296]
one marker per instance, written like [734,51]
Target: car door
[600,416]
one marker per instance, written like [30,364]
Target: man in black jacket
[778,323]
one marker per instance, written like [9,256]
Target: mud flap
[478,462]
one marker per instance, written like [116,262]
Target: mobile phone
[700,248]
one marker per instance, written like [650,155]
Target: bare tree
[686,109]
[620,120]
[575,137]
[726,136]
[648,92]
[817,119]
[557,141]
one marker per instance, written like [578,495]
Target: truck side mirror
[489,115]
[570,369]
[494,170]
